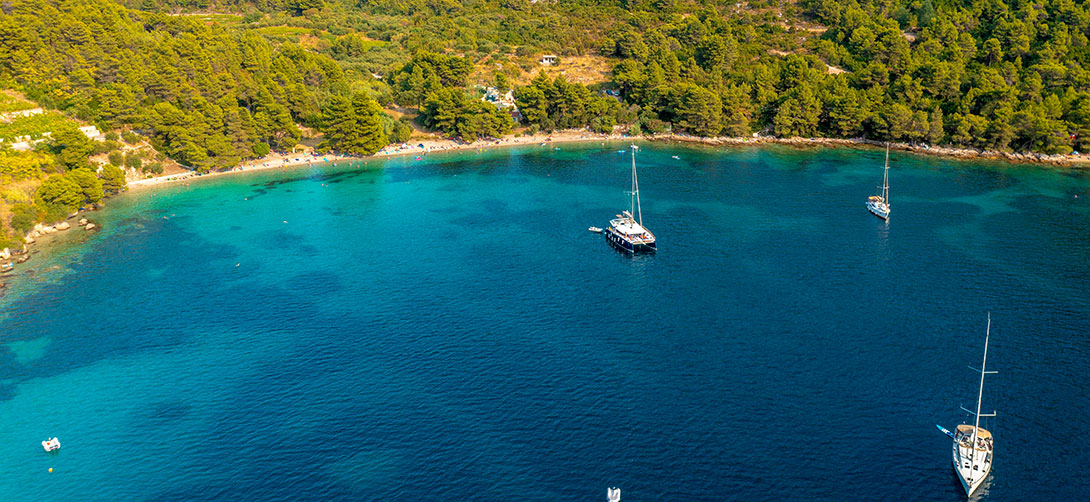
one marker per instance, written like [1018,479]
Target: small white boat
[52,444]
[595,230]
[675,157]
[614,494]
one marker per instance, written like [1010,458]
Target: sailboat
[972,454]
[879,204]
[627,231]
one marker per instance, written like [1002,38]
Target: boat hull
[879,210]
[620,242]
[971,472]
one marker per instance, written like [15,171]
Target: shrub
[262,149]
[23,217]
[113,179]
[89,184]
[61,192]
[13,196]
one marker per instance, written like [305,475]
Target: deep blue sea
[447,329]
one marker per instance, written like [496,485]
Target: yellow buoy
[50,469]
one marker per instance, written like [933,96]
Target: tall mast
[636,187]
[980,396]
[885,180]
[983,370]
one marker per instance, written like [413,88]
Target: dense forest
[212,82]
[997,74]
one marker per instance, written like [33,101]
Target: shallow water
[447,329]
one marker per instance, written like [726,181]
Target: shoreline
[262,164]
[426,146]
[1073,161]
[419,147]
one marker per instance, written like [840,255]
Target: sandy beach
[413,147]
[272,161]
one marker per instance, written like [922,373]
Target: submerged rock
[90,226]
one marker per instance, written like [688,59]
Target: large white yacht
[972,449]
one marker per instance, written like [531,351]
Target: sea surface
[447,329]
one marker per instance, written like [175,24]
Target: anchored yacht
[972,448]
[879,204]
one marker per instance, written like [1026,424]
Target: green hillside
[213,83]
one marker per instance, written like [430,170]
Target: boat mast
[980,396]
[636,187]
[885,180]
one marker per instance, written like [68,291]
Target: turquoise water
[447,329]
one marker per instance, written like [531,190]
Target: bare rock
[49,230]
[63,225]
[29,239]
[5,254]
[82,221]
[90,226]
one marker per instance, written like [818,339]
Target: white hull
[878,209]
[51,444]
[971,473]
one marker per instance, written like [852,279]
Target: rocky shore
[11,259]
[923,149]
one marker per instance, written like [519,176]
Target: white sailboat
[614,494]
[972,451]
[625,231]
[879,204]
